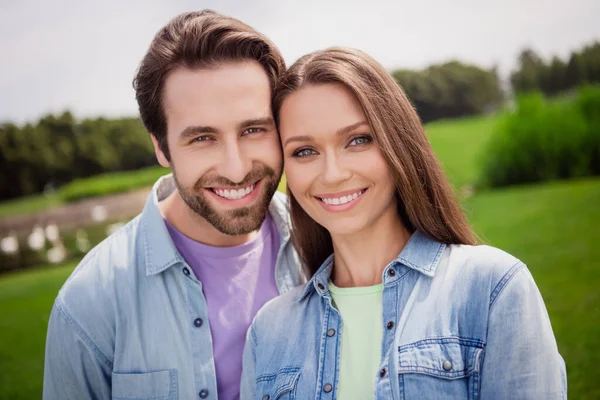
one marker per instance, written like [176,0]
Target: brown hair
[426,201]
[199,39]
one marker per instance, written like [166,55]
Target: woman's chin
[344,227]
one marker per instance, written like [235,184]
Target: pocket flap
[275,385]
[450,357]
[145,385]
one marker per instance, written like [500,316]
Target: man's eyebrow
[257,121]
[342,131]
[194,130]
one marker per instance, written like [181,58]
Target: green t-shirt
[362,333]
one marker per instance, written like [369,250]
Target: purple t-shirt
[237,282]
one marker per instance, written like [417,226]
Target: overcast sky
[81,56]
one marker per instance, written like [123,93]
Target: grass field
[94,186]
[552,227]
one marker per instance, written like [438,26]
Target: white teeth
[341,200]
[234,194]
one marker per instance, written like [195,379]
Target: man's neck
[186,221]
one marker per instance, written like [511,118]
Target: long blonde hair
[426,201]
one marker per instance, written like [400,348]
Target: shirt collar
[420,253]
[159,250]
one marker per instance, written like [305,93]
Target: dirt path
[116,207]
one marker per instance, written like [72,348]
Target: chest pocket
[440,368]
[279,386]
[157,385]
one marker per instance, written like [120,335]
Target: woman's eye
[360,140]
[303,153]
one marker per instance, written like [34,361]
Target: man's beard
[238,221]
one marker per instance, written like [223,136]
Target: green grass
[553,228]
[28,205]
[457,144]
[111,183]
[94,186]
[25,303]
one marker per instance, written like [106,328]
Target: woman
[401,303]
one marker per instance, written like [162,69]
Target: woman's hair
[426,201]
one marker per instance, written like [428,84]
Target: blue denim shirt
[460,322]
[131,321]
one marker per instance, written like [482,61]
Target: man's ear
[160,156]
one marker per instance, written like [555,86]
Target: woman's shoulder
[481,263]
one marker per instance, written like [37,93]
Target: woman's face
[333,167]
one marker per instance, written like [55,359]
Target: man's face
[224,147]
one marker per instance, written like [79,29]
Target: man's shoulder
[279,206]
[96,279]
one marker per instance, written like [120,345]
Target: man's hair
[200,39]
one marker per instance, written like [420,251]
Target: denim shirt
[460,322]
[131,320]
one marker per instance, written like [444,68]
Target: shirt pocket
[279,386]
[440,368]
[156,385]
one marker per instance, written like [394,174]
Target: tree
[530,74]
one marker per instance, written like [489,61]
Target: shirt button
[330,332]
[327,387]
[320,286]
[391,272]
[390,325]
[382,372]
[203,394]
[447,365]
[266,397]
[186,272]
[198,322]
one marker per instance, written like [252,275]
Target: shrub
[545,140]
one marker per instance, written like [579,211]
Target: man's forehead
[218,95]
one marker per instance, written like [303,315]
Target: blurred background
[509,92]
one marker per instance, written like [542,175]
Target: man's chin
[240,221]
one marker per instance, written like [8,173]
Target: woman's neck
[361,257]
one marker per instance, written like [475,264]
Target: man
[160,309]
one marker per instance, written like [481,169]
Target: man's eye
[303,153]
[252,130]
[202,139]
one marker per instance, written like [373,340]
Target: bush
[545,140]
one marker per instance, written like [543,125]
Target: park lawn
[84,188]
[28,204]
[458,144]
[26,299]
[553,228]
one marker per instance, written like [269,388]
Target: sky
[81,56]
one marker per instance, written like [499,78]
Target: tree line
[58,149]
[556,75]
